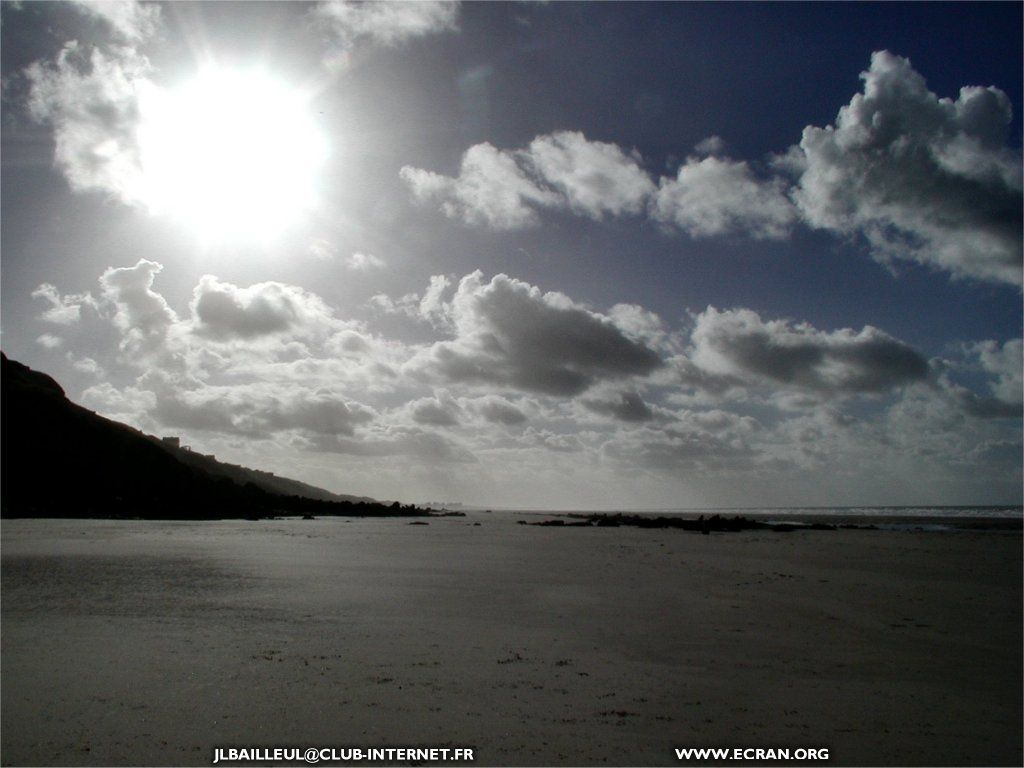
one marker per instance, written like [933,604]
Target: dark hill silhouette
[59,459]
[268,481]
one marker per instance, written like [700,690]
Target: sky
[549,255]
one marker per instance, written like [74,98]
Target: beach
[152,643]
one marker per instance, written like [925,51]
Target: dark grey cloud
[984,407]
[740,345]
[497,410]
[628,407]
[224,311]
[435,412]
[510,334]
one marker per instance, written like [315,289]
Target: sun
[233,154]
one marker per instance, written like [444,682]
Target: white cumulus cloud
[717,196]
[596,178]
[923,178]
[491,189]
[505,189]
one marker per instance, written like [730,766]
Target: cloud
[85,365]
[440,411]
[64,309]
[595,178]
[955,435]
[628,407]
[739,344]
[142,315]
[491,189]
[921,178]
[363,262]
[503,189]
[918,177]
[350,342]
[322,249]
[712,145]
[387,23]
[430,307]
[93,103]
[1006,362]
[998,453]
[970,402]
[510,334]
[687,447]
[223,311]
[259,410]
[397,440]
[255,409]
[228,330]
[552,441]
[716,196]
[325,250]
[498,410]
[709,440]
[132,21]
[273,363]
[408,305]
[49,341]
[129,404]
[565,170]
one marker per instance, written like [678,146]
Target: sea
[905,518]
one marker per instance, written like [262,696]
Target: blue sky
[636,255]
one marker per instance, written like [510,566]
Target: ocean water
[967,512]
[918,518]
[1011,512]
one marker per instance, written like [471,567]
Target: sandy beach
[151,643]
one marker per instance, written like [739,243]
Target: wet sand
[142,643]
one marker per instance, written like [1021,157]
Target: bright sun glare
[233,154]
